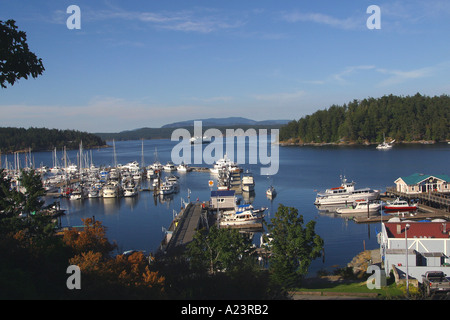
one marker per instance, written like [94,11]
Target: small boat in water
[361,207]
[399,205]
[385,145]
[271,192]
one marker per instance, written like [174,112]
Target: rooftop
[438,229]
[419,177]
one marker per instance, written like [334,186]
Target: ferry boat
[399,205]
[345,194]
[361,207]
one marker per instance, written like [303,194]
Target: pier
[425,212]
[433,199]
[184,226]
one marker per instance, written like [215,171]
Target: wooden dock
[425,212]
[436,200]
[185,226]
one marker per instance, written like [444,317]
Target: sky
[135,64]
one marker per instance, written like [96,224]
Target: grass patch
[390,291]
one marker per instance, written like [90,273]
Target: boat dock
[425,212]
[436,200]
[184,226]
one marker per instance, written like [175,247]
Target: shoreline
[346,144]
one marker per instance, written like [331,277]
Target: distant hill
[165,132]
[230,121]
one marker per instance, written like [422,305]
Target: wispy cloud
[194,20]
[399,76]
[320,18]
[280,96]
[341,76]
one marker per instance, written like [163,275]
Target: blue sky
[140,64]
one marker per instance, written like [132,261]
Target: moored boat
[361,207]
[271,192]
[345,194]
[399,205]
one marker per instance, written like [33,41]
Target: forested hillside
[38,139]
[406,119]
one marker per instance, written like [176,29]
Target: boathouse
[223,199]
[425,245]
[422,183]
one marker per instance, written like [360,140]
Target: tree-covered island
[43,139]
[405,119]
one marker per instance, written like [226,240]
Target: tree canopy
[293,246]
[410,118]
[16,59]
[40,139]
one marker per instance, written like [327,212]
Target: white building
[428,245]
[418,183]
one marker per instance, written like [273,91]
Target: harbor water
[137,223]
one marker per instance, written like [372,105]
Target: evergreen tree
[293,247]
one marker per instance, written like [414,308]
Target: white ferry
[345,194]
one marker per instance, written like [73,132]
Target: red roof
[418,229]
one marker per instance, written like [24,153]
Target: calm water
[136,223]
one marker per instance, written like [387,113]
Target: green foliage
[16,60]
[219,249]
[410,118]
[38,139]
[293,247]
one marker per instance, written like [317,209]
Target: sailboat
[385,145]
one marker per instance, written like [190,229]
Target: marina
[142,221]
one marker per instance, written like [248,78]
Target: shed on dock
[222,199]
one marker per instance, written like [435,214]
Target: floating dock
[426,212]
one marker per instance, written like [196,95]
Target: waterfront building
[422,183]
[427,242]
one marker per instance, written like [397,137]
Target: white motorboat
[183,168]
[271,192]
[151,172]
[110,191]
[224,164]
[345,194]
[77,194]
[130,191]
[360,207]
[248,183]
[240,218]
[93,192]
[399,205]
[169,166]
[167,188]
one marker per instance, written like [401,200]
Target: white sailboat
[385,145]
